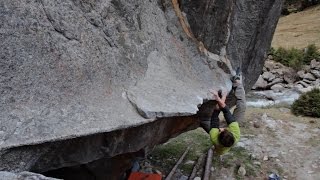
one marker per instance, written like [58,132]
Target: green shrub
[311,52]
[295,58]
[307,104]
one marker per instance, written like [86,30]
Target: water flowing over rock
[95,83]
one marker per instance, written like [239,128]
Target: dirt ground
[298,29]
[283,142]
[272,141]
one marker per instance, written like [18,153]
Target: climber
[224,138]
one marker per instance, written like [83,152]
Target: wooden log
[196,167]
[206,175]
[177,164]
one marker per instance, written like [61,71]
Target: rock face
[243,31]
[82,81]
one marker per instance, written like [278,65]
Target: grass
[298,30]
[166,155]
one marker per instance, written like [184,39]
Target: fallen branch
[208,165]
[196,167]
[177,164]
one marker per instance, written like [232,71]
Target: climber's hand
[220,101]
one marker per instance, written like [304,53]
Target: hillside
[298,29]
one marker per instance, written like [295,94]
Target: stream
[269,98]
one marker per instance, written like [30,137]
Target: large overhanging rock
[78,77]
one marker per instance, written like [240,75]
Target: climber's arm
[215,119]
[227,115]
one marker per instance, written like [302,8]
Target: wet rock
[277,87]
[197,178]
[307,89]
[298,87]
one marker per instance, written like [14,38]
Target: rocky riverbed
[279,84]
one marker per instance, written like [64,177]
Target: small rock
[212,169]
[240,144]
[274,155]
[278,160]
[310,172]
[315,166]
[311,121]
[253,156]
[197,178]
[148,170]
[241,171]
[265,158]
[189,162]
[314,64]
[256,124]
[284,110]
[183,177]
[257,163]
[301,74]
